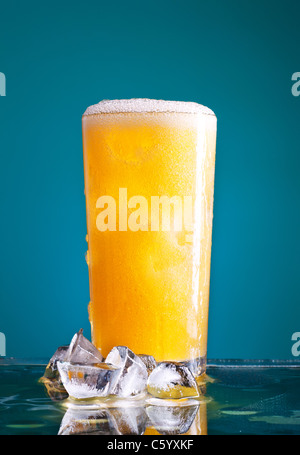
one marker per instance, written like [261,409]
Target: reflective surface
[262,398]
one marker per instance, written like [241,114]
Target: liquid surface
[242,400]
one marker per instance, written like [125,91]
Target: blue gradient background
[235,56]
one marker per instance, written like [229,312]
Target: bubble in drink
[132,372]
[139,105]
[172,380]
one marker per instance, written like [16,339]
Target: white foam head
[137,105]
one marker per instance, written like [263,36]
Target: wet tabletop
[239,398]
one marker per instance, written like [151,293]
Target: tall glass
[149,181]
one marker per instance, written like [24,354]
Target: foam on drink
[146,105]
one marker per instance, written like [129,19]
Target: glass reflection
[131,419]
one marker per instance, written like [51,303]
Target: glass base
[197,366]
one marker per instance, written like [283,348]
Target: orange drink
[149,180]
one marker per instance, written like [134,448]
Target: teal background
[237,57]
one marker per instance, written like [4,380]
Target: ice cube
[81,350]
[149,361]
[88,381]
[172,419]
[51,371]
[51,378]
[172,380]
[133,372]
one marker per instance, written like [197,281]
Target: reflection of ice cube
[108,421]
[172,419]
[128,420]
[88,381]
[172,380]
[55,388]
[133,372]
[81,350]
[81,421]
[51,371]
[51,378]
[149,362]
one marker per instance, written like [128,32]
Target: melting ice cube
[172,380]
[51,371]
[81,350]
[88,381]
[149,361]
[133,372]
